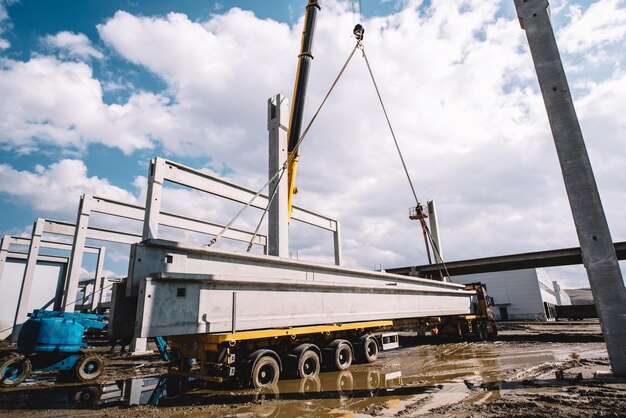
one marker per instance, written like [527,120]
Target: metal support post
[278,217]
[593,232]
[27,280]
[78,250]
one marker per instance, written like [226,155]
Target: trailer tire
[14,369]
[89,367]
[265,372]
[308,364]
[494,333]
[340,355]
[479,330]
[367,349]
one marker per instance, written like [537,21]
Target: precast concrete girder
[186,289]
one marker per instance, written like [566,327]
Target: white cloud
[220,72]
[60,102]
[73,45]
[90,274]
[458,84]
[602,23]
[5,23]
[54,191]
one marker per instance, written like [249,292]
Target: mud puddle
[454,379]
[126,392]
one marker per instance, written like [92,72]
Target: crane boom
[299,97]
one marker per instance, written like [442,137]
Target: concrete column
[337,242]
[78,251]
[138,346]
[98,284]
[557,292]
[27,280]
[434,230]
[596,244]
[4,250]
[153,199]
[278,218]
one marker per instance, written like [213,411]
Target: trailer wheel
[368,349]
[494,333]
[342,355]
[308,364]
[265,372]
[89,367]
[479,331]
[14,370]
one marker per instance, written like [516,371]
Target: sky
[90,91]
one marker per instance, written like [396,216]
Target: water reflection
[138,391]
[357,391]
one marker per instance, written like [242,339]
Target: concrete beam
[187,289]
[552,258]
[198,180]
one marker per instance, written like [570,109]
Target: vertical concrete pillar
[153,199]
[98,284]
[557,292]
[434,230]
[278,220]
[78,251]
[595,239]
[4,250]
[27,280]
[337,242]
[156,178]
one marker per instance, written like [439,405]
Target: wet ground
[534,370]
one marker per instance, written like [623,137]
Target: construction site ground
[553,369]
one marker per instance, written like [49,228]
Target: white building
[520,294]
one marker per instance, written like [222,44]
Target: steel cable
[406,171]
[291,157]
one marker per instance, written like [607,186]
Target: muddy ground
[534,369]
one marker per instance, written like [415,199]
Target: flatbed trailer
[258,358]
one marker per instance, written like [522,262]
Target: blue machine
[51,341]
